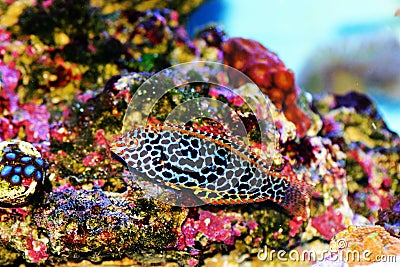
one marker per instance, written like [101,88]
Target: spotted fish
[218,170]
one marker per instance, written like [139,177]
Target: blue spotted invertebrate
[219,170]
[21,170]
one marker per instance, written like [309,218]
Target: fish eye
[133,142]
[119,143]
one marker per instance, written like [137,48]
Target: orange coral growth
[372,243]
[267,71]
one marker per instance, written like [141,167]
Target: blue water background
[294,29]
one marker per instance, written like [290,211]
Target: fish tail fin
[297,197]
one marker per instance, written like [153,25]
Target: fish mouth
[115,148]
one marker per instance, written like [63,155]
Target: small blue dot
[6,171]
[26,159]
[39,162]
[29,170]
[15,179]
[18,169]
[39,175]
[11,156]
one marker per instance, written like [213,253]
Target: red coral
[268,71]
[329,223]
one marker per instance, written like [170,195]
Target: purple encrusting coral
[389,218]
[89,208]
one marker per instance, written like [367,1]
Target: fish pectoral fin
[172,185]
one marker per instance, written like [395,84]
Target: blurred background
[332,46]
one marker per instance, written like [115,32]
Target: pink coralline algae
[193,262]
[100,139]
[329,223]
[370,167]
[230,96]
[9,75]
[93,159]
[212,227]
[295,226]
[36,250]
[4,35]
[33,118]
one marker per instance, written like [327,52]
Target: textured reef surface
[66,84]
